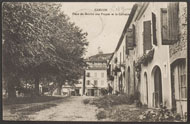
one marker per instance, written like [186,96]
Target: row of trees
[40,41]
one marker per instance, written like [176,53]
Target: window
[169,23]
[88,74]
[134,36]
[123,54]
[126,46]
[147,44]
[95,82]
[173,9]
[120,57]
[102,83]
[95,74]
[102,74]
[154,28]
[164,25]
[88,82]
[130,38]
[182,80]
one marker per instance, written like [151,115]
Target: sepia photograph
[94,61]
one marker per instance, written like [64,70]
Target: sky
[103,21]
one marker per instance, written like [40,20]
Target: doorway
[92,92]
[129,80]
[157,87]
[146,88]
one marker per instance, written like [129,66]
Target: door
[146,88]
[173,75]
[92,92]
[129,81]
[158,87]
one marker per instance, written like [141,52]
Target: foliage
[101,115]
[86,101]
[39,41]
[125,113]
[159,115]
[111,100]
[145,58]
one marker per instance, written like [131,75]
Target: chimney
[99,50]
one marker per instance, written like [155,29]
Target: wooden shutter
[126,45]
[173,9]
[164,26]
[134,35]
[129,37]
[147,36]
[154,28]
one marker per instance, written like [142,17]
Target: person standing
[110,89]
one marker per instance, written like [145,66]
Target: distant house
[96,74]
[73,90]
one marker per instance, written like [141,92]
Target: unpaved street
[67,109]
[73,109]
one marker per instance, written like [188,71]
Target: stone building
[154,63]
[96,74]
[178,59]
[120,63]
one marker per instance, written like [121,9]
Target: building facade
[153,45]
[74,89]
[178,61]
[96,74]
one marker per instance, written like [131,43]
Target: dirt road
[73,109]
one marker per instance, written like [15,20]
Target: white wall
[161,57]
[99,78]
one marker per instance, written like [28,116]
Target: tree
[38,41]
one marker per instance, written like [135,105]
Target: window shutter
[134,35]
[154,28]
[129,37]
[173,9]
[126,45]
[147,36]
[164,27]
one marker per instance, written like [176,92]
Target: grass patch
[32,109]
[26,100]
[22,114]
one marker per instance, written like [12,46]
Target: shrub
[101,115]
[111,100]
[163,114]
[86,101]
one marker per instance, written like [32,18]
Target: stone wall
[179,49]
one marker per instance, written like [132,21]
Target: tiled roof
[99,57]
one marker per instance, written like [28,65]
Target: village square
[61,65]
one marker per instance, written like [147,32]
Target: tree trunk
[59,87]
[37,88]
[11,89]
